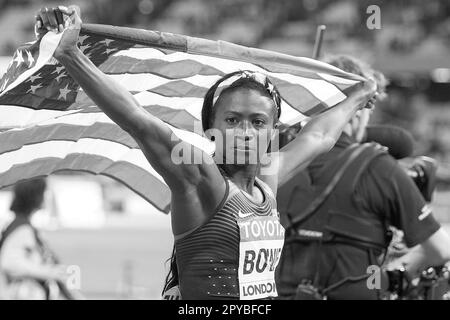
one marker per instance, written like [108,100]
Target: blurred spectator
[28,269]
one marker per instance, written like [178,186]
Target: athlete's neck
[242,175]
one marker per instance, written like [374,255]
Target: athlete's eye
[259,123]
[231,120]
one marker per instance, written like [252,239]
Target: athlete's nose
[246,130]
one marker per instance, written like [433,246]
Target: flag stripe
[147,81]
[24,116]
[137,179]
[61,149]
[141,182]
[90,119]
[74,128]
[33,101]
[170,70]
[178,118]
[14,139]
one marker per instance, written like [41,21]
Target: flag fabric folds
[48,124]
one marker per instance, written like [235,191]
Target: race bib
[260,248]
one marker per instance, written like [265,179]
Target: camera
[423,172]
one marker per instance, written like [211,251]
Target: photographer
[28,268]
[337,215]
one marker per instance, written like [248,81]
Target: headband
[255,76]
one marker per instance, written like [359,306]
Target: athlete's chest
[260,242]
[252,220]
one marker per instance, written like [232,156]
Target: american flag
[48,124]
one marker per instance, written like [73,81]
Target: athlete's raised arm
[322,131]
[318,136]
[153,135]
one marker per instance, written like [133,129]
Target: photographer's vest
[330,210]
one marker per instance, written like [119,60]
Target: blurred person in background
[338,211]
[28,268]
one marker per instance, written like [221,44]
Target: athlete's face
[245,120]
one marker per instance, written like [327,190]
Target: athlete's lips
[242,147]
[246,148]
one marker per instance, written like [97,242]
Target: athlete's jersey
[233,255]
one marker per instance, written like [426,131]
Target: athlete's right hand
[364,94]
[60,19]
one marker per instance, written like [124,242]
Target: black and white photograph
[181,151]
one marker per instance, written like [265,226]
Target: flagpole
[318,42]
[317,47]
